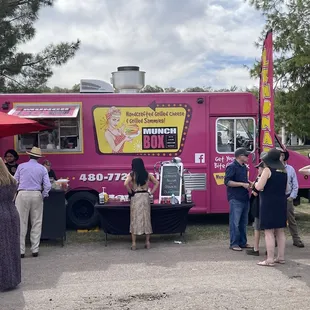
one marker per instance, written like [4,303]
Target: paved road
[200,275]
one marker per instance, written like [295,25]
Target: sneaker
[252,252]
[299,244]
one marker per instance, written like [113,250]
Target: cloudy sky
[179,43]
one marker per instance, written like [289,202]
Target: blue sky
[179,43]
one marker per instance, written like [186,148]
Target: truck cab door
[226,135]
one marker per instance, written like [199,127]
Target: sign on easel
[171,181]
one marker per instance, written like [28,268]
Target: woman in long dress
[273,206]
[137,184]
[10,261]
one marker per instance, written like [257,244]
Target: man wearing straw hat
[33,186]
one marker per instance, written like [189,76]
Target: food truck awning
[45,110]
[14,125]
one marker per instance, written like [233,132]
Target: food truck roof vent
[95,86]
[128,79]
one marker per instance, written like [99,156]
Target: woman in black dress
[273,203]
[10,264]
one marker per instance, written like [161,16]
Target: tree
[291,34]
[291,111]
[197,89]
[158,89]
[27,72]
[152,89]
[172,90]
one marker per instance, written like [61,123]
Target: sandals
[133,247]
[266,264]
[236,248]
[279,261]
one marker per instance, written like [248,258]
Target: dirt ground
[202,274]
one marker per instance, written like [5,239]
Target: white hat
[36,152]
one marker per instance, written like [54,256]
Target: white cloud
[178,43]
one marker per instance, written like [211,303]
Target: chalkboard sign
[171,181]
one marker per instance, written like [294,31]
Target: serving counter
[165,218]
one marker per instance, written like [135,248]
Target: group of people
[22,190]
[269,199]
[11,158]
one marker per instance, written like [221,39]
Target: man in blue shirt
[292,193]
[236,180]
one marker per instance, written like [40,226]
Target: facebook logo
[200,158]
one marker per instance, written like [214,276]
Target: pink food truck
[94,137]
[95,134]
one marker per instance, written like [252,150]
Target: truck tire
[81,212]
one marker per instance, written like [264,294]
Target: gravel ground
[196,275]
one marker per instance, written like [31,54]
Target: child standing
[254,202]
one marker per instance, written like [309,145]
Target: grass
[304,152]
[200,227]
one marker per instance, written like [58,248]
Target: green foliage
[75,89]
[291,111]
[27,72]
[152,89]
[291,34]
[158,89]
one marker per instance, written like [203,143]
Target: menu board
[171,181]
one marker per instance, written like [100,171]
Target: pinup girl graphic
[114,135]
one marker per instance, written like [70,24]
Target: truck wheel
[81,213]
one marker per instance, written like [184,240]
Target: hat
[260,165]
[242,152]
[272,159]
[36,152]
[13,152]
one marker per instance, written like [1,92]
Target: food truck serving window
[65,134]
[232,133]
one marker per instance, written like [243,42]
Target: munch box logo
[160,138]
[156,129]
